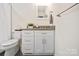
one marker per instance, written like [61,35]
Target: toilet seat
[10,42]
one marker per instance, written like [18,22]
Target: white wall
[4,22]
[24,13]
[67,30]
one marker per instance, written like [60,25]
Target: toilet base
[12,51]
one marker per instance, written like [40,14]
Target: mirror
[41,10]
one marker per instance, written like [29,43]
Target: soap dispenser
[51,18]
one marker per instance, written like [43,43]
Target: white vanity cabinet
[44,42]
[38,42]
[27,42]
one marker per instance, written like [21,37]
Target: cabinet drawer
[25,42]
[27,50]
[27,33]
[27,46]
[27,38]
[44,33]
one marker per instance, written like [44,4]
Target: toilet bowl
[10,47]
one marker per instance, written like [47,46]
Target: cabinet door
[44,41]
[49,46]
[38,44]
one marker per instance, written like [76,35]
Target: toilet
[11,46]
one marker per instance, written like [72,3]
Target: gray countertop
[50,28]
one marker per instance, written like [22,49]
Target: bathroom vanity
[38,41]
